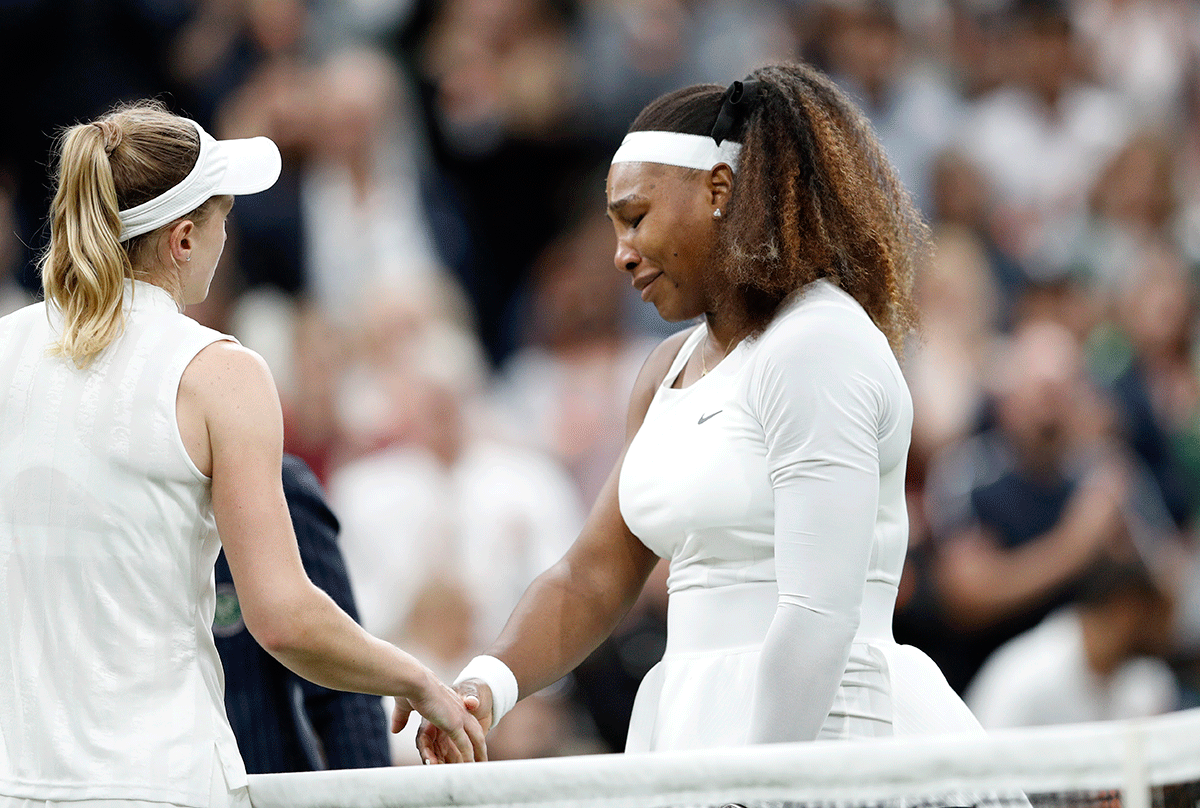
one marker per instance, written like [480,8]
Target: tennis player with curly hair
[766,447]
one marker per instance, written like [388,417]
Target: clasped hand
[436,744]
[449,722]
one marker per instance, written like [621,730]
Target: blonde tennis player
[129,435]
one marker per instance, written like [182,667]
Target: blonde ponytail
[84,269]
[128,157]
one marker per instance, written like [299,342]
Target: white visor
[675,149]
[244,166]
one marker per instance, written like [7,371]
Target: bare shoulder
[651,376]
[224,368]
[227,383]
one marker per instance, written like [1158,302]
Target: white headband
[675,149]
[243,166]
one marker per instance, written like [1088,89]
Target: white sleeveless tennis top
[110,684]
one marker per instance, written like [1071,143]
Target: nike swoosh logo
[704,418]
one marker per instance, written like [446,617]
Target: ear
[179,240]
[719,185]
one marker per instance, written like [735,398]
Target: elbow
[835,626]
[277,640]
[277,628]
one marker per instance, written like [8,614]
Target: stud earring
[717,213]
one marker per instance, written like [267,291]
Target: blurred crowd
[431,282]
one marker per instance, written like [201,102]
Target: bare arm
[286,613]
[982,581]
[572,607]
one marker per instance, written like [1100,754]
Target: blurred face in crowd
[663,217]
[1156,308]
[1041,384]
[865,44]
[1044,53]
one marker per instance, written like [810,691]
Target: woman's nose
[626,258]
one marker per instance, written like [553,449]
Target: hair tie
[111,133]
[739,101]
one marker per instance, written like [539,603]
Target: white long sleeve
[775,485]
[821,404]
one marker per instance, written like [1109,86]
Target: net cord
[1130,756]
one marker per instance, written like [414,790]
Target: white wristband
[497,676]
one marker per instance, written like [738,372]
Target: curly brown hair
[814,197]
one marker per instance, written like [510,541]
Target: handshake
[455,721]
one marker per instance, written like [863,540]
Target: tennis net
[1149,763]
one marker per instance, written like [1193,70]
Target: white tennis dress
[110,684]
[775,486]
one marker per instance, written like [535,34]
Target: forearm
[309,634]
[983,583]
[800,669]
[563,616]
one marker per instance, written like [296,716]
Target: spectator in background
[1044,496]
[284,723]
[439,518]
[1141,49]
[246,63]
[1147,357]
[432,495]
[1042,137]
[958,296]
[1130,213]
[359,185]
[913,107]
[496,85]
[965,223]
[1097,659]
[565,391]
[634,51]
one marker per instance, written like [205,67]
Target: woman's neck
[721,331]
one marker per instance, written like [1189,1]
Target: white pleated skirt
[700,695]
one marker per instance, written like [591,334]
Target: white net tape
[1132,758]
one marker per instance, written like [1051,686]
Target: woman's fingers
[478,738]
[400,714]
[427,743]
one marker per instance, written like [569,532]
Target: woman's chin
[673,314]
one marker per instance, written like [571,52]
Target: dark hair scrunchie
[739,101]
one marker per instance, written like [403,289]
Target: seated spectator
[1045,496]
[566,390]
[1152,373]
[912,105]
[1097,659]
[435,495]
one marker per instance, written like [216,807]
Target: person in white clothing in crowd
[130,435]
[766,447]
[1100,658]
